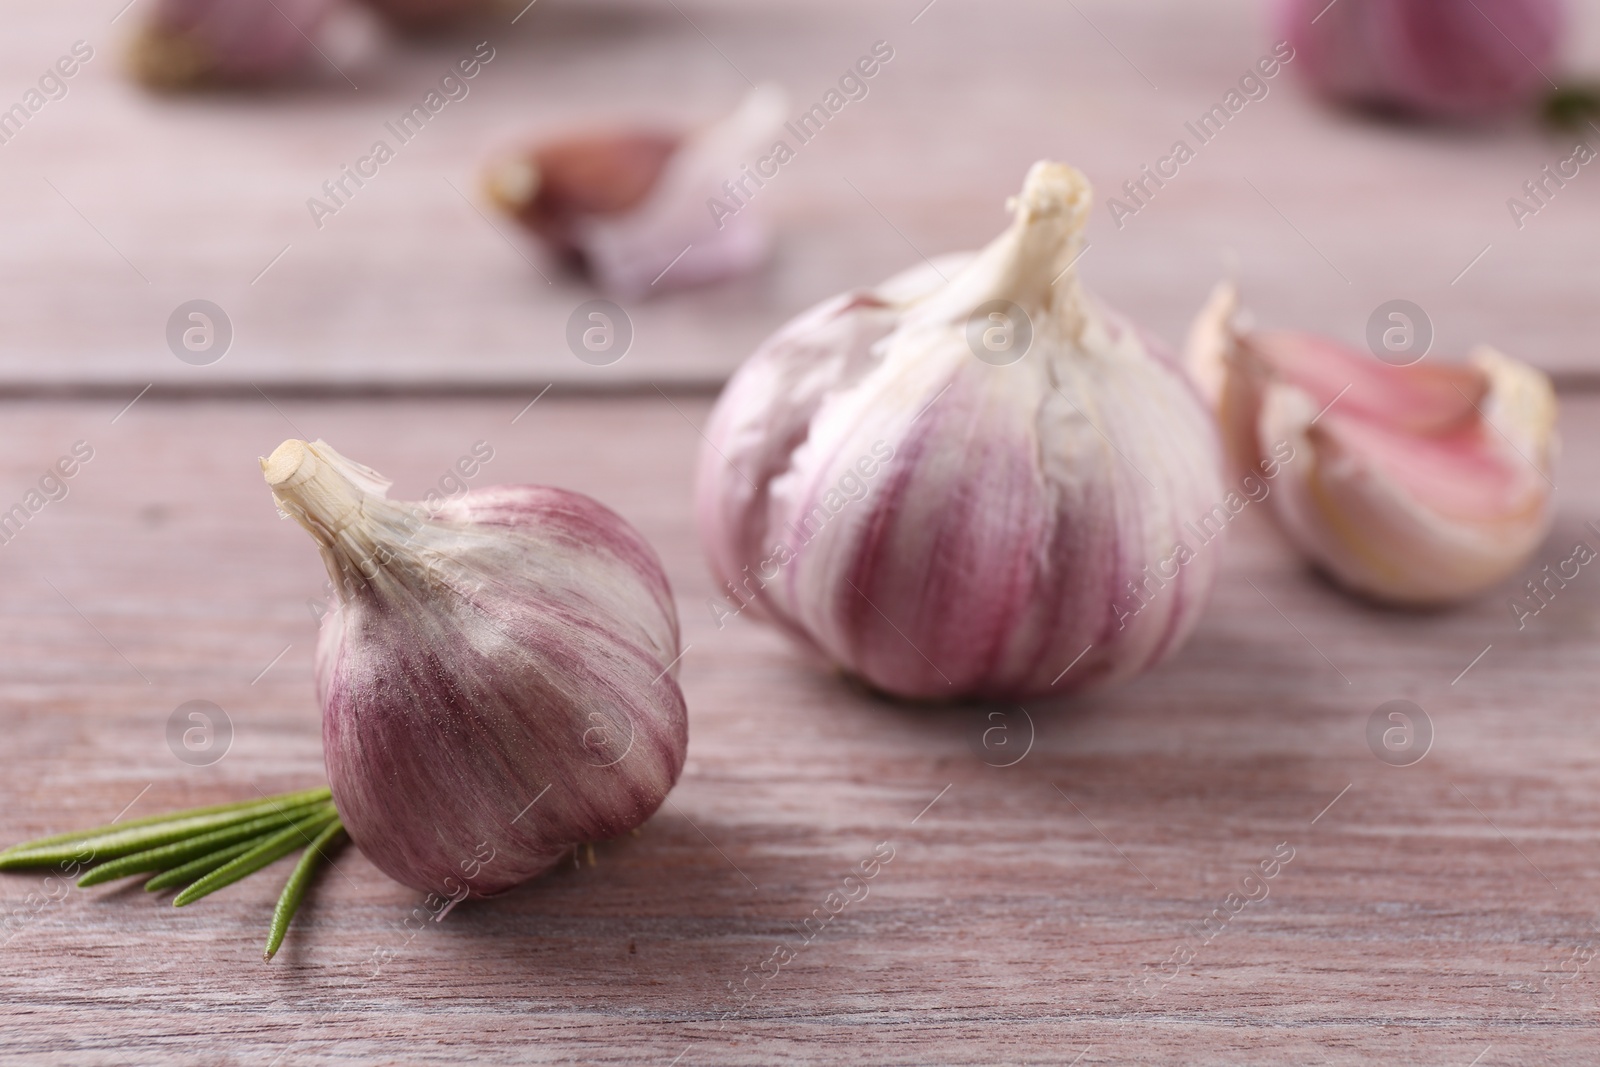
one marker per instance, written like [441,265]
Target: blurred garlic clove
[561,183]
[945,524]
[633,207]
[1445,59]
[1419,485]
[188,42]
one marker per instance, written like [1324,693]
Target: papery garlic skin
[1450,59]
[183,42]
[942,527]
[498,683]
[1417,485]
[632,206]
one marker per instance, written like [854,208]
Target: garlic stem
[342,505]
[309,488]
[1030,263]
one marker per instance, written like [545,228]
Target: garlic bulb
[636,208]
[1417,484]
[187,41]
[971,480]
[414,16]
[1431,58]
[497,684]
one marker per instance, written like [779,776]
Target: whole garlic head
[498,680]
[947,508]
[1444,59]
[1418,485]
[183,42]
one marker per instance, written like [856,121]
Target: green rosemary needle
[165,856]
[116,840]
[268,851]
[295,889]
[204,865]
[201,849]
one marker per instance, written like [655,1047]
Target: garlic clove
[1429,58]
[1418,485]
[498,683]
[185,42]
[632,207]
[551,188]
[945,526]
[1210,341]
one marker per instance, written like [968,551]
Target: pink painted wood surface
[1430,914]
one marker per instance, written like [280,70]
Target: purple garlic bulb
[184,42]
[972,480]
[416,16]
[497,681]
[1444,59]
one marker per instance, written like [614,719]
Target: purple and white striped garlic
[1444,59]
[969,479]
[418,16]
[497,684]
[184,42]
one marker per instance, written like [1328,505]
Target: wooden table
[1431,913]
[119,205]
[1439,913]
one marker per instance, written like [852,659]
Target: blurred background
[122,203]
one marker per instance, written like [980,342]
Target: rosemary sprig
[111,842]
[268,851]
[295,890]
[181,876]
[165,857]
[202,849]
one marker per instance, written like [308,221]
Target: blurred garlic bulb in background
[514,641]
[414,16]
[631,206]
[1419,484]
[1449,59]
[969,479]
[184,42]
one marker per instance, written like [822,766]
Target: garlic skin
[1441,59]
[515,646]
[1416,485]
[186,42]
[629,207]
[944,527]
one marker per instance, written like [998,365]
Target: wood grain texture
[119,204]
[1430,914]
